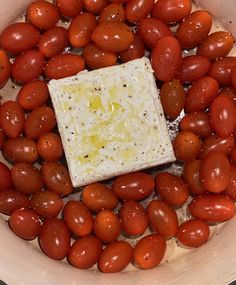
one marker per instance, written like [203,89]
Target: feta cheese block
[111,121]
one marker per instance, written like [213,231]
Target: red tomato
[172,97]
[46,203]
[216,45]
[186,146]
[193,233]
[234,79]
[136,10]
[53,41]
[172,189]
[40,121]
[230,190]
[149,251]
[194,29]
[64,65]
[20,150]
[166,58]
[2,139]
[212,208]
[162,218]
[33,94]
[5,68]
[19,37]
[97,58]
[223,116]
[201,94]
[42,14]
[112,13]
[81,29]
[227,91]
[26,178]
[133,217]
[233,154]
[69,8]
[5,177]
[54,238]
[107,226]
[214,171]
[78,218]
[85,252]
[12,119]
[98,196]
[95,6]
[136,50]
[56,178]
[25,223]
[171,11]
[28,66]
[133,186]
[113,36]
[115,257]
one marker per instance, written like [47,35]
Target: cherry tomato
[85,252]
[133,217]
[26,178]
[230,190]
[54,238]
[97,58]
[81,29]
[136,50]
[5,177]
[212,208]
[107,226]
[33,94]
[113,36]
[46,203]
[78,218]
[42,14]
[12,119]
[172,189]
[133,186]
[53,41]
[194,29]
[28,66]
[64,65]
[98,196]
[95,6]
[166,58]
[201,94]
[171,11]
[193,233]
[233,154]
[40,121]
[10,200]
[5,68]
[69,8]
[25,223]
[2,139]
[19,37]
[20,150]
[56,178]
[193,68]
[136,10]
[216,45]
[172,97]
[149,251]
[151,30]
[112,13]
[115,257]
[234,79]
[186,146]
[192,178]
[162,218]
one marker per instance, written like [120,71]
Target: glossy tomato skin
[85,252]
[95,6]
[12,119]
[149,251]
[5,66]
[19,37]
[113,12]
[2,139]
[212,208]
[133,186]
[136,10]
[5,177]
[69,8]
[115,257]
[166,58]
[54,238]
[194,29]
[233,79]
[193,233]
[230,190]
[162,218]
[25,223]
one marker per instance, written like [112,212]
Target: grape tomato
[5,177]
[113,12]
[136,10]
[94,6]
[69,8]
[5,67]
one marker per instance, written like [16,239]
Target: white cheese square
[111,121]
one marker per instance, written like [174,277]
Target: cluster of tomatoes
[33,189]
